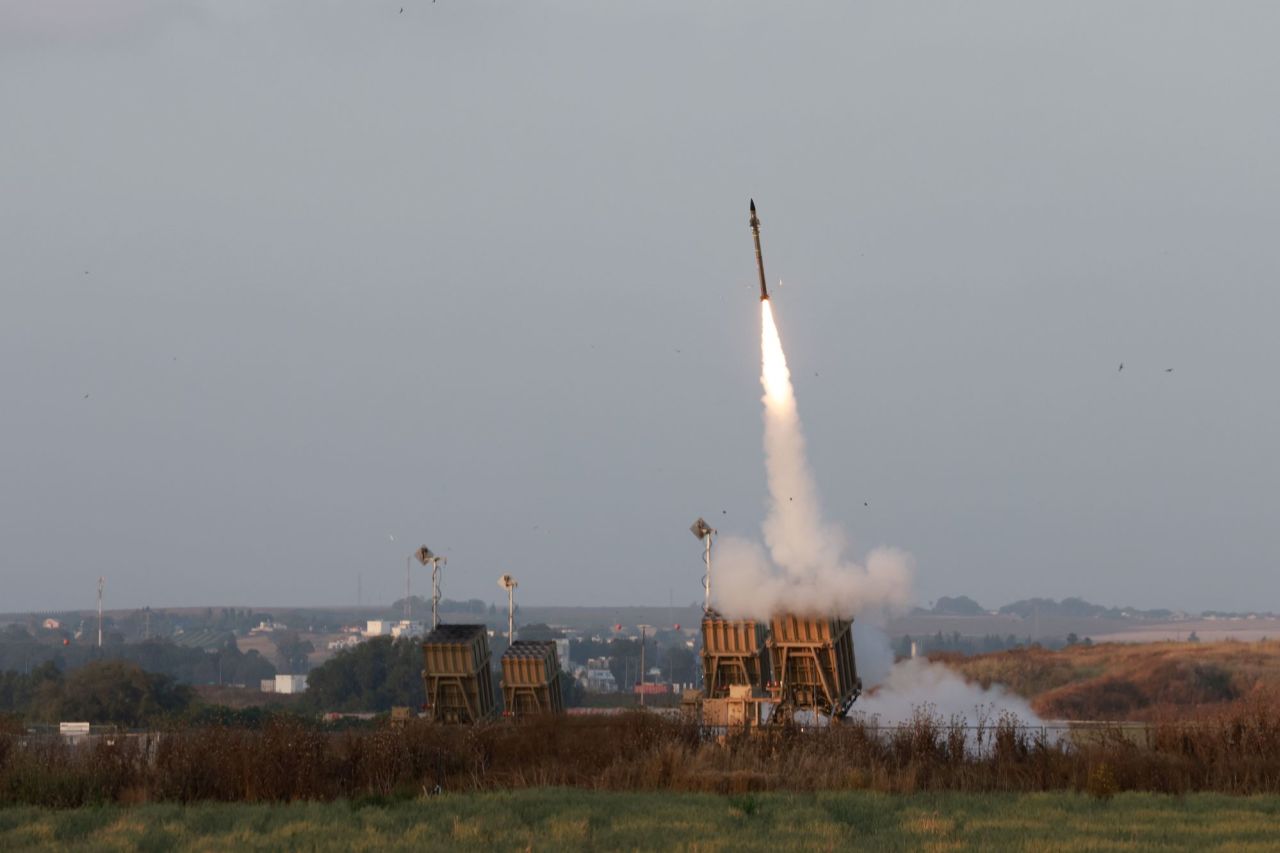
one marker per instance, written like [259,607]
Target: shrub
[290,758]
[1102,783]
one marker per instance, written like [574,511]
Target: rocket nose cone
[753,205]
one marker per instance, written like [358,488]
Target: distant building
[407,628]
[268,685]
[291,684]
[653,689]
[599,678]
[334,716]
[74,731]
[562,652]
[344,642]
[378,628]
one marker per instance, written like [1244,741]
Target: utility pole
[435,593]
[408,561]
[511,614]
[642,670]
[101,581]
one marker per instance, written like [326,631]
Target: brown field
[1126,681]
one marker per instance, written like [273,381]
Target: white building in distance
[407,628]
[291,684]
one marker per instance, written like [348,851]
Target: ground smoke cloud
[805,570]
[920,685]
[898,691]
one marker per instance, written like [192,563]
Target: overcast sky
[282,281]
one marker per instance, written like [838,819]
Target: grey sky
[478,275]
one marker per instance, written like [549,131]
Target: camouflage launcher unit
[813,665]
[733,653]
[531,679]
[457,674]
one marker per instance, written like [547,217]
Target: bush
[289,758]
[1102,783]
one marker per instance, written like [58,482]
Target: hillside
[1127,681]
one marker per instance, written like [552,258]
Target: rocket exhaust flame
[805,571]
[774,375]
[793,529]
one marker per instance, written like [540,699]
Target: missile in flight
[755,235]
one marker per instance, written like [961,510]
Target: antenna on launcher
[509,584]
[704,532]
[424,556]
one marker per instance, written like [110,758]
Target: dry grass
[1122,681]
[288,760]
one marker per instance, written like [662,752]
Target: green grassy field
[557,819]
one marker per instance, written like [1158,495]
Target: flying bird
[86,396]
[1121,367]
[1168,370]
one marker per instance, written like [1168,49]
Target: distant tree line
[375,675]
[111,691]
[1030,608]
[956,643]
[224,665]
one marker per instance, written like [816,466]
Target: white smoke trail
[807,572]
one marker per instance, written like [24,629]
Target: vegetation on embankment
[288,758]
[1132,681]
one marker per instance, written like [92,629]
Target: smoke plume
[805,570]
